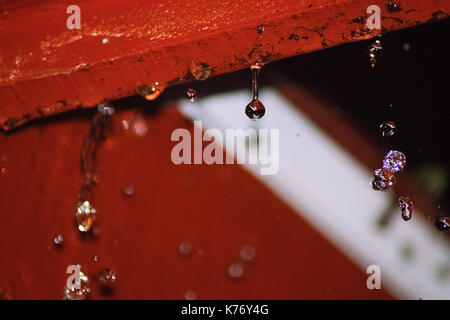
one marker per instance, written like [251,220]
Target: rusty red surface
[46,68]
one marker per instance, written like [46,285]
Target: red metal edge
[50,69]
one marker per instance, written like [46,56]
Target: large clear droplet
[85,216]
[255,110]
[394,161]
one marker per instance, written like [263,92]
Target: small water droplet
[388,128]
[190,295]
[105,40]
[150,93]
[105,109]
[191,94]
[95,258]
[185,248]
[200,70]
[260,29]
[107,277]
[236,270]
[247,253]
[442,223]
[374,51]
[406,207]
[394,161]
[3,171]
[391,6]
[406,47]
[78,294]
[85,216]
[128,190]
[140,127]
[125,124]
[383,179]
[59,240]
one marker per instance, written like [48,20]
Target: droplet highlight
[191,94]
[85,216]
[442,223]
[59,240]
[107,277]
[82,293]
[375,51]
[406,207]
[388,128]
[150,93]
[394,161]
[236,270]
[247,253]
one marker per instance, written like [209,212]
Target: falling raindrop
[406,207]
[85,216]
[200,70]
[191,94]
[442,223]
[150,93]
[383,179]
[185,248]
[236,270]
[82,293]
[247,253]
[107,277]
[391,6]
[255,109]
[374,51]
[394,161]
[190,295]
[59,240]
[128,190]
[387,129]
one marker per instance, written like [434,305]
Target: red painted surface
[216,208]
[46,68]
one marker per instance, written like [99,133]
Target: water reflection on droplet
[95,258]
[82,293]
[185,248]
[191,94]
[374,52]
[391,6]
[247,253]
[59,240]
[236,270]
[442,223]
[107,277]
[190,295]
[406,207]
[394,161]
[85,216]
[260,29]
[383,179]
[128,190]
[150,93]
[388,128]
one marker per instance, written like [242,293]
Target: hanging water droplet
[107,277]
[388,128]
[185,248]
[236,270]
[247,253]
[191,94]
[82,293]
[105,109]
[394,161]
[59,240]
[85,216]
[150,93]
[128,190]
[255,109]
[383,179]
[442,223]
[260,29]
[190,295]
[200,70]
[95,258]
[391,6]
[406,207]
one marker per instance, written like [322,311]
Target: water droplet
[391,6]
[150,93]
[190,295]
[236,270]
[107,277]
[406,207]
[442,223]
[260,29]
[383,179]
[247,253]
[3,171]
[406,47]
[128,190]
[191,94]
[140,127]
[185,248]
[105,109]
[387,129]
[374,51]
[125,124]
[394,161]
[95,258]
[105,40]
[255,109]
[78,294]
[59,240]
[200,70]
[85,216]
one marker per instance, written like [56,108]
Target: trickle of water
[406,207]
[388,128]
[394,161]
[85,216]
[383,179]
[442,223]
[128,190]
[78,294]
[255,109]
[200,70]
[190,295]
[185,248]
[59,240]
[391,6]
[375,49]
[247,253]
[150,93]
[236,270]
[107,277]
[191,94]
